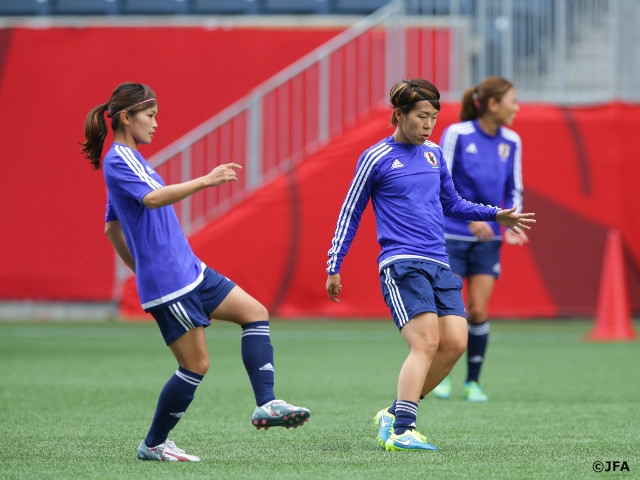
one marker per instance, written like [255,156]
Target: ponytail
[95,132]
[475,100]
[470,105]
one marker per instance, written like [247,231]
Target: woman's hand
[481,230]
[512,238]
[515,221]
[333,287]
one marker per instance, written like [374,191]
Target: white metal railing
[300,109]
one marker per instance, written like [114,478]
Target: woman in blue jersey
[484,159]
[406,178]
[175,287]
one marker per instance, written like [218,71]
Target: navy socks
[257,356]
[476,349]
[174,399]
[406,413]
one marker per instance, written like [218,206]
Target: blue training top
[411,190]
[166,267]
[485,169]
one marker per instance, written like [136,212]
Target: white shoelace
[170,446]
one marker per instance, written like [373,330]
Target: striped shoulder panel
[429,143]
[509,134]
[451,139]
[371,157]
[136,166]
[462,128]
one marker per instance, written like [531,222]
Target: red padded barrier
[53,246]
[580,176]
[572,182]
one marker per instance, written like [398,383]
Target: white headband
[134,105]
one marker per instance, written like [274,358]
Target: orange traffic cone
[613,311]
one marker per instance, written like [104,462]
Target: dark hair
[125,97]
[407,93]
[476,99]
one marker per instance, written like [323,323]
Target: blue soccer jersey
[485,169]
[166,267]
[411,190]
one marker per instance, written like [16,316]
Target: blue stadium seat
[359,7]
[295,6]
[439,7]
[229,7]
[153,7]
[25,7]
[85,7]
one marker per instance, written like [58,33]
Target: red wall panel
[53,246]
[275,244]
[579,170]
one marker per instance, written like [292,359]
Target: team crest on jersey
[431,158]
[504,149]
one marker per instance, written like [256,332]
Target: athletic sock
[174,399]
[257,356]
[392,408]
[476,348]
[406,413]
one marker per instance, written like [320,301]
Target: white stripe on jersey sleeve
[509,134]
[137,167]
[344,219]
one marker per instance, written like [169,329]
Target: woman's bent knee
[454,347]
[199,366]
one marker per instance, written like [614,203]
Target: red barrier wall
[579,176]
[52,245]
[578,179]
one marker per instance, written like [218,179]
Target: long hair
[475,99]
[125,97]
[405,94]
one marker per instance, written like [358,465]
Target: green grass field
[77,398]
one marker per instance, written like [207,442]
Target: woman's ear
[492,104]
[125,118]
[397,112]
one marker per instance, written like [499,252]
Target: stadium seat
[295,6]
[230,7]
[154,7]
[25,7]
[359,7]
[439,7]
[85,7]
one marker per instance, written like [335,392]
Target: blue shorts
[193,309]
[411,287]
[474,258]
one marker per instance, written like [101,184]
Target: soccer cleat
[278,413]
[473,392]
[409,440]
[165,452]
[384,419]
[443,391]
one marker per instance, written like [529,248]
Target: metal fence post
[254,143]
[324,75]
